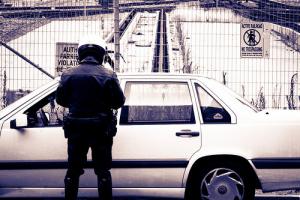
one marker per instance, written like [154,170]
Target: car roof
[159,75]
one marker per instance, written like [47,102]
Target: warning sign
[66,57]
[255,40]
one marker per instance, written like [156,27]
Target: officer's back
[93,88]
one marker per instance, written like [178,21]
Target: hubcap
[221,184]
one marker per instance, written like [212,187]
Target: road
[258,197]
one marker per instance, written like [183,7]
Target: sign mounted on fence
[255,40]
[66,57]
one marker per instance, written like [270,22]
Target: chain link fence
[253,47]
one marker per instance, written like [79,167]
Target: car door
[34,154]
[158,132]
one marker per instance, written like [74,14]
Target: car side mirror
[21,121]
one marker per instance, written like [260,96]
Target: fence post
[116,35]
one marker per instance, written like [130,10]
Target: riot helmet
[92,45]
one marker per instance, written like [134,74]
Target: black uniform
[90,91]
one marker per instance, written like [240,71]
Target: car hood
[271,115]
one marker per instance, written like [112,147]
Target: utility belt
[102,122]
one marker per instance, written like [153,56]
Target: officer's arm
[62,94]
[117,98]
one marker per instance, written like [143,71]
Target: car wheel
[223,183]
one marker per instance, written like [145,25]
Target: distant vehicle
[178,136]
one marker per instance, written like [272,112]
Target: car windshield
[219,88]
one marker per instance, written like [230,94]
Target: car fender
[202,156]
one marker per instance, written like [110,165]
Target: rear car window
[157,103]
[212,111]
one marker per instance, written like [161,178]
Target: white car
[179,136]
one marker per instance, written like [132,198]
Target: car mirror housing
[21,121]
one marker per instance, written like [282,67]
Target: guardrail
[124,24]
[287,16]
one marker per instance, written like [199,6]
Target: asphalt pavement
[258,197]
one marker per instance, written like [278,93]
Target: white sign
[255,40]
[66,57]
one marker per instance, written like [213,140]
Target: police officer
[91,92]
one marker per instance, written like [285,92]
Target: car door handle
[187,133]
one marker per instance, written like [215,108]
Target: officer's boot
[71,188]
[105,186]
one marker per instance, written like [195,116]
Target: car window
[211,110]
[46,113]
[218,87]
[157,103]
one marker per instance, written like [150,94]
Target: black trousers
[79,142]
[78,147]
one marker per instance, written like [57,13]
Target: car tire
[222,182]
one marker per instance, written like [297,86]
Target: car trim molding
[277,163]
[61,164]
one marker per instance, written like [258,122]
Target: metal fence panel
[217,39]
